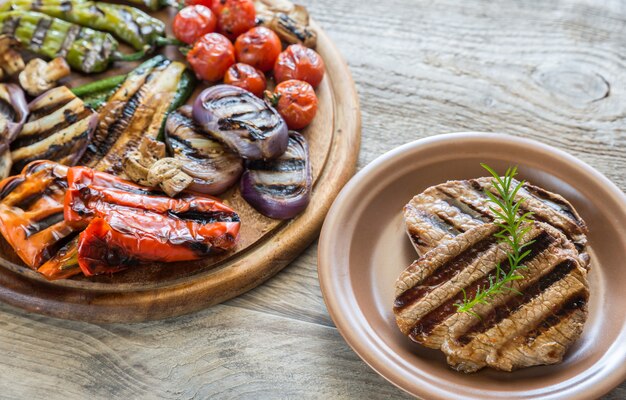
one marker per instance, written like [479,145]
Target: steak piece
[444,211]
[512,330]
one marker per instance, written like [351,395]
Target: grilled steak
[444,211]
[512,330]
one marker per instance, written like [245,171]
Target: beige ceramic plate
[363,248]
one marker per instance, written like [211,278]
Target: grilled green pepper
[85,49]
[126,23]
[152,4]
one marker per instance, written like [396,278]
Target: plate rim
[575,388]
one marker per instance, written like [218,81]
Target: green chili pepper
[84,49]
[128,24]
[153,4]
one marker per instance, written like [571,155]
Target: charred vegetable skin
[280,188]
[31,211]
[127,223]
[213,167]
[137,109]
[58,128]
[84,49]
[126,23]
[245,123]
[13,114]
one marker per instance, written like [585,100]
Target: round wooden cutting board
[156,291]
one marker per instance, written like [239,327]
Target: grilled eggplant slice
[13,114]
[213,167]
[245,123]
[280,188]
[58,129]
[31,211]
[137,109]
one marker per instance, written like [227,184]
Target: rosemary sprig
[513,228]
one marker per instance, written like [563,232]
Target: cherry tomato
[234,17]
[206,3]
[295,101]
[258,47]
[299,62]
[193,22]
[211,56]
[246,77]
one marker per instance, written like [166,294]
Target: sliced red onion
[280,188]
[245,123]
[13,114]
[213,167]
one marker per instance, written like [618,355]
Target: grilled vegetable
[289,21]
[137,109]
[39,76]
[211,56]
[193,22]
[31,211]
[153,4]
[234,17]
[300,63]
[11,61]
[242,121]
[59,128]
[259,47]
[280,188]
[295,101]
[13,114]
[246,77]
[126,23]
[84,49]
[213,167]
[128,223]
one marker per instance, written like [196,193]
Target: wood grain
[421,67]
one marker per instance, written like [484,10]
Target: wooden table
[553,72]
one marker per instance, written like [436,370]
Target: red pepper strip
[31,211]
[138,226]
[64,264]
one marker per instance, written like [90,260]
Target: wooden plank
[222,352]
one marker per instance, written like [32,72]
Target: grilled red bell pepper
[128,223]
[31,211]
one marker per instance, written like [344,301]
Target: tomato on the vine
[211,56]
[258,47]
[246,77]
[299,62]
[234,17]
[295,101]
[192,22]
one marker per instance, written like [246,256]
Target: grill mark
[497,314]
[206,217]
[443,273]
[40,33]
[53,189]
[70,118]
[437,222]
[280,190]
[10,25]
[428,322]
[564,310]
[70,36]
[559,205]
[54,152]
[10,186]
[294,164]
[49,108]
[449,221]
[42,224]
[536,217]
[66,6]
[465,207]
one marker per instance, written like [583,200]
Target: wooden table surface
[553,71]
